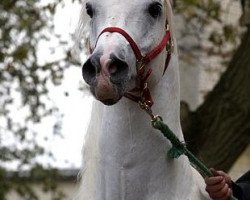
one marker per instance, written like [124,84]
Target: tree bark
[220,127]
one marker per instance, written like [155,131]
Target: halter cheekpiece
[141,93]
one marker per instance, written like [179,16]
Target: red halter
[141,93]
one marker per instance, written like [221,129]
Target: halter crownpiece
[141,93]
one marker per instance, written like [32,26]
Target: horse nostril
[89,70]
[118,69]
[112,68]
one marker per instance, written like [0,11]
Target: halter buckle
[170,47]
[140,64]
[145,106]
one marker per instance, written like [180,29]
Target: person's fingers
[221,198]
[216,187]
[229,193]
[213,180]
[224,193]
[223,174]
[217,172]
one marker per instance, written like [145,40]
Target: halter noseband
[141,93]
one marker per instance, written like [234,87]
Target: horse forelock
[81,36]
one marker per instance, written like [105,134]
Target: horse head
[111,69]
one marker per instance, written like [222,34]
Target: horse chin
[110,102]
[108,97]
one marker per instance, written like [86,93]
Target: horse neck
[126,117]
[128,143]
[125,158]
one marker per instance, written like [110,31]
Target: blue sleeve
[241,188]
[237,192]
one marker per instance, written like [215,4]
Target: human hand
[219,186]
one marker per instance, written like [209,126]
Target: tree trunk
[220,127]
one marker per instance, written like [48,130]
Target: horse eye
[89,10]
[155,9]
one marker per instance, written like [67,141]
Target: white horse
[124,157]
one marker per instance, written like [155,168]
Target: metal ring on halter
[140,64]
[145,106]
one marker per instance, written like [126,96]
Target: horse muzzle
[106,76]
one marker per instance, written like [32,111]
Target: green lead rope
[179,148]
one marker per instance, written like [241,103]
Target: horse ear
[170,24]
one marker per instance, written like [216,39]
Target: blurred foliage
[20,181]
[211,22]
[24,86]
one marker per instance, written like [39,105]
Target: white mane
[81,36]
